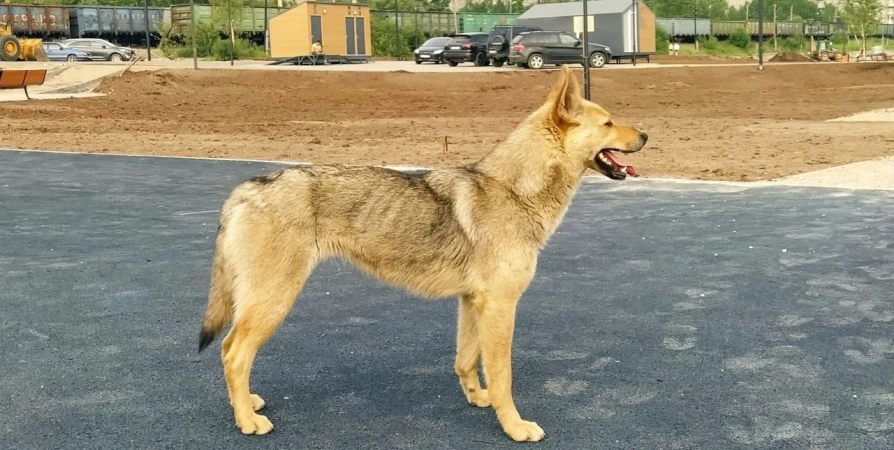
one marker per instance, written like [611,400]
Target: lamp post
[635,30]
[192,25]
[232,33]
[586,54]
[760,34]
[148,42]
[266,35]
[397,30]
[695,23]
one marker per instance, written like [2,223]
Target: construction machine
[822,50]
[14,49]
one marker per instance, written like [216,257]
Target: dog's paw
[254,424]
[524,431]
[257,403]
[479,398]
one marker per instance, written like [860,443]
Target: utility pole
[635,30]
[232,32]
[148,42]
[192,26]
[396,30]
[266,32]
[586,53]
[695,22]
[760,35]
[775,29]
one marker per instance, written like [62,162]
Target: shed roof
[570,9]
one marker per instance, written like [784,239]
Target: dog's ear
[565,98]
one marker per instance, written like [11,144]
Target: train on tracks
[126,25]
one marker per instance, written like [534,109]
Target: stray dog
[472,233]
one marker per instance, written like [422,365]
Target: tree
[862,17]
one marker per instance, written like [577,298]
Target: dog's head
[587,131]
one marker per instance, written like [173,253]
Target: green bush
[740,38]
[712,46]
[662,40]
[794,44]
[383,37]
[243,49]
[206,38]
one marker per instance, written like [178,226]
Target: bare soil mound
[789,57]
[764,125]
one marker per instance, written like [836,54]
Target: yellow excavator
[15,49]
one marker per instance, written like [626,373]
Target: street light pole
[586,54]
[148,42]
[760,34]
[266,36]
[232,33]
[192,25]
[635,30]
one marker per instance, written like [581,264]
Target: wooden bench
[22,78]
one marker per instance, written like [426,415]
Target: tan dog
[472,233]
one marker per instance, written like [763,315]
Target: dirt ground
[715,123]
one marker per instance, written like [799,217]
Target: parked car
[101,49]
[467,47]
[431,50]
[57,51]
[499,39]
[537,48]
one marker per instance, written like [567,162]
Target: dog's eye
[609,123]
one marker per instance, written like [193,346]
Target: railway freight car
[121,24]
[250,25]
[37,21]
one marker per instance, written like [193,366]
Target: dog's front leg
[496,325]
[468,353]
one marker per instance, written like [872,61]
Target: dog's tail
[219,310]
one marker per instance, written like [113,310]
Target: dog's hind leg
[267,287]
[468,353]
[496,325]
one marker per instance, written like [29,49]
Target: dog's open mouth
[613,168]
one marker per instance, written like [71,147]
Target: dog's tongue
[611,157]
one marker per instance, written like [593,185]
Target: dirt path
[717,123]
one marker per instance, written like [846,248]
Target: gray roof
[570,9]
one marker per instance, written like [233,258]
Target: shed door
[361,36]
[316,30]
[349,35]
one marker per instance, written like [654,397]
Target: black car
[536,48]
[467,47]
[499,39]
[431,50]
[101,49]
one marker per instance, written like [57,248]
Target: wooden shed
[611,23]
[342,28]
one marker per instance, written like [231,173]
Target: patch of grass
[243,49]
[714,47]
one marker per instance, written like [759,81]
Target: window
[550,39]
[567,40]
[533,40]
[436,42]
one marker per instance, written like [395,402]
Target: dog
[472,233]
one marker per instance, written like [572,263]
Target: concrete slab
[877,174]
[64,80]
[878,115]
[664,315]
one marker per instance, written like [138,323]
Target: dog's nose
[644,136]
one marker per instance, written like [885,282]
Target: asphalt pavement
[663,316]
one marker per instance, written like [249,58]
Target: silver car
[101,49]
